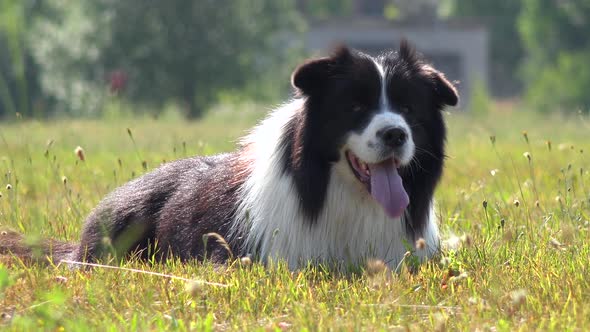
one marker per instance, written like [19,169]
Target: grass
[516,202]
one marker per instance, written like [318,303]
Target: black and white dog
[343,173]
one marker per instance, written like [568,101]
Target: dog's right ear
[312,76]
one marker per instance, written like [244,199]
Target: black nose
[392,136]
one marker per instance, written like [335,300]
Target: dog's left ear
[445,90]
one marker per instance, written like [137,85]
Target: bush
[19,88]
[563,86]
[555,35]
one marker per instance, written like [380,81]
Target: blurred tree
[555,35]
[506,50]
[154,51]
[324,9]
[18,81]
[416,11]
[67,41]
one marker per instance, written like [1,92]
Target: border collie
[344,172]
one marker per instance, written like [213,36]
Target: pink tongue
[387,188]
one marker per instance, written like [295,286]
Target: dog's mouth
[382,181]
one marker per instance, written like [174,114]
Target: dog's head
[382,115]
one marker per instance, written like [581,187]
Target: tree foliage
[555,35]
[74,55]
[157,51]
[68,42]
[18,73]
[506,50]
[325,9]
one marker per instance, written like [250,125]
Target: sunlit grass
[515,196]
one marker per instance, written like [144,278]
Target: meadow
[514,207]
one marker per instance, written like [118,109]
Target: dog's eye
[405,109]
[357,108]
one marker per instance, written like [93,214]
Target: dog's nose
[393,137]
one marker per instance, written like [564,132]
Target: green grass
[522,265]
